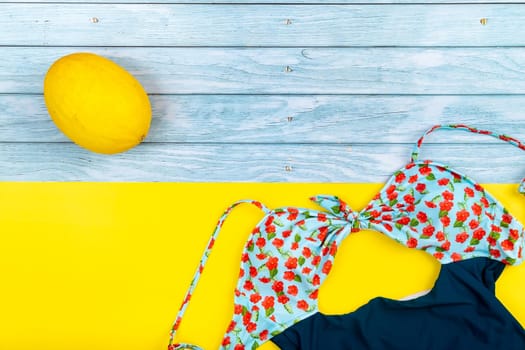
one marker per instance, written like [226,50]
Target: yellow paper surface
[105,266]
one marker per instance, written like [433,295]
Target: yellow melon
[97,103]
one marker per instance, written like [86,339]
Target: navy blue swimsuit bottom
[461,312]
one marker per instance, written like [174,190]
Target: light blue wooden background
[303,91]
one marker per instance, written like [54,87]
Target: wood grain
[63,24]
[249,163]
[311,70]
[268,119]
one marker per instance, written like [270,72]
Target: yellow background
[105,266]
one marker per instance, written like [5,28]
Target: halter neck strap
[202,263]
[513,141]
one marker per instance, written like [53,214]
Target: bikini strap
[508,139]
[203,261]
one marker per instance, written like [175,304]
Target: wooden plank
[157,24]
[290,70]
[290,119]
[248,163]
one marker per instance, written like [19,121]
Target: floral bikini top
[425,205]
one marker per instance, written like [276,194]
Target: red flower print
[443,182]
[313,295]
[327,266]
[316,280]
[495,253]
[391,189]
[404,220]
[278,286]
[456,176]
[292,290]
[270,229]
[248,285]
[387,217]
[440,236]
[469,249]
[295,245]
[513,234]
[231,327]
[412,242]
[293,213]
[412,179]
[445,220]
[422,217]
[253,271]
[462,237]
[289,275]
[245,257]
[291,263]
[491,240]
[479,233]
[462,215]
[272,263]
[251,327]
[484,201]
[261,242]
[246,318]
[300,223]
[212,242]
[316,260]
[469,192]
[476,209]
[307,252]
[409,198]
[375,213]
[446,245]
[506,218]
[287,233]
[507,245]
[241,273]
[302,304]
[237,309]
[456,257]
[473,224]
[421,187]
[269,221]
[387,227]
[239,347]
[425,170]
[430,204]
[283,299]
[268,302]
[410,166]
[261,256]
[446,205]
[478,187]
[277,243]
[400,177]
[321,217]
[519,252]
[322,233]
[392,196]
[495,228]
[263,335]
[428,231]
[438,255]
[255,298]
[226,341]
[306,270]
[447,195]
[333,249]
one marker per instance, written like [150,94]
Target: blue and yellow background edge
[106,265]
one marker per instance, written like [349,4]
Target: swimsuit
[425,205]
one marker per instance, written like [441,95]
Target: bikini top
[425,205]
